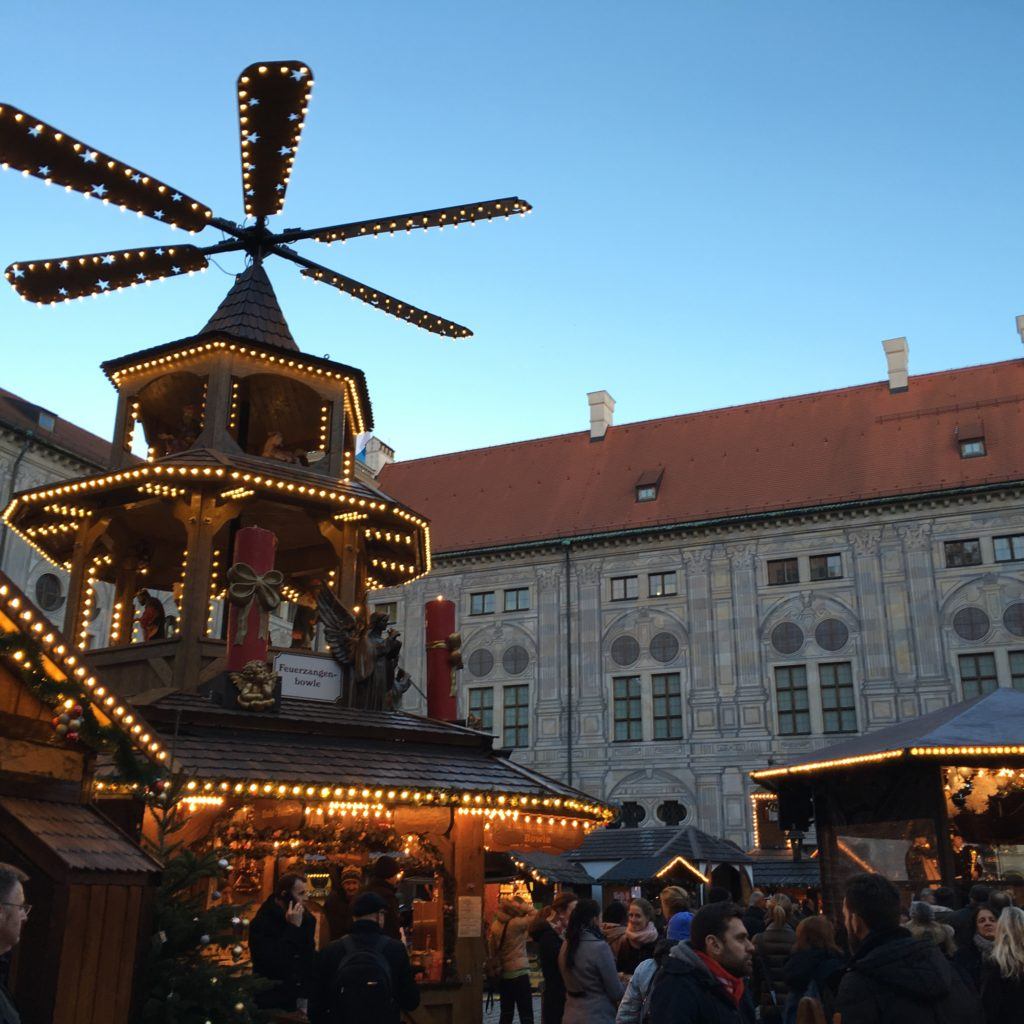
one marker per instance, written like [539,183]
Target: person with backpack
[508,965]
[365,977]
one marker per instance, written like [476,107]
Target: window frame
[630,701]
[1016,677]
[516,593]
[387,606]
[971,443]
[624,580]
[1010,538]
[522,721]
[646,492]
[792,562]
[792,710]
[664,577]
[488,710]
[949,545]
[979,679]
[670,703]
[826,558]
[841,708]
[483,594]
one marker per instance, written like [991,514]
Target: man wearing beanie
[338,905]
[384,878]
[365,977]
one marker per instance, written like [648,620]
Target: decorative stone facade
[902,629]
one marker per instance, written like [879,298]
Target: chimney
[1020,327]
[377,455]
[602,405]
[897,353]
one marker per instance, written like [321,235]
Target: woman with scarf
[592,985]
[640,937]
[971,958]
[547,932]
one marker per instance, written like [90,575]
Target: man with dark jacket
[753,919]
[893,977]
[13,914]
[962,920]
[384,878]
[703,981]
[352,961]
[281,942]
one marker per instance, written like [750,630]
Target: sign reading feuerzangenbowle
[308,677]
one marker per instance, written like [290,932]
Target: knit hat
[367,903]
[679,926]
[351,871]
[385,867]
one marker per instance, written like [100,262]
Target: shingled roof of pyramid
[250,311]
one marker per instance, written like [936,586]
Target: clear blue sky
[734,200]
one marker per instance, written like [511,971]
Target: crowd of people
[774,961]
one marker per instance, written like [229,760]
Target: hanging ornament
[204,940]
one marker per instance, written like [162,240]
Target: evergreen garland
[23,656]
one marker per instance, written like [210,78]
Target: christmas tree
[191,973]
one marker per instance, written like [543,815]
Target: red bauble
[72,737]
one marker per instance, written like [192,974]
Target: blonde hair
[675,898]
[1008,951]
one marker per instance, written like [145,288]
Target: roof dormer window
[47,421]
[648,484]
[971,438]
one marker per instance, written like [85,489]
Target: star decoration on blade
[273,100]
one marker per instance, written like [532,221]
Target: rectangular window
[628,720]
[962,552]
[624,588]
[389,608]
[1017,669]
[791,698]
[517,717]
[838,709]
[517,600]
[972,449]
[661,584]
[783,570]
[481,709]
[668,706]
[646,492]
[826,567]
[978,674]
[481,604]
[1009,549]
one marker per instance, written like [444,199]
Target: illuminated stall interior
[937,799]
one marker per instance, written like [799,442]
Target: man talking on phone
[281,943]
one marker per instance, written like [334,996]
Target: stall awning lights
[678,859]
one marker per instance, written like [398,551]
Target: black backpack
[362,988]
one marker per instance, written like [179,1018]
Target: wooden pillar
[125,587]
[202,518]
[336,438]
[89,531]
[347,542]
[469,886]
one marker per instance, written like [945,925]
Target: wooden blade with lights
[378,299]
[72,277]
[40,150]
[272,102]
[422,220]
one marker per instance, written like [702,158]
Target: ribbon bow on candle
[245,585]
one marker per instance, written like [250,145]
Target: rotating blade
[272,102]
[37,148]
[423,219]
[72,277]
[386,303]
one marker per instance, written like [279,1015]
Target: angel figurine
[367,650]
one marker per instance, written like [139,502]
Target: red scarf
[733,986]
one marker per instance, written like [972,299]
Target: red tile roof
[23,416]
[819,449]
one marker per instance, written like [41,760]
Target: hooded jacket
[897,979]
[686,992]
[510,928]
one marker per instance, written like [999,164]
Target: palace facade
[650,610]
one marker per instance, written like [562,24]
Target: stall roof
[987,726]
[553,867]
[76,836]
[661,844]
[780,869]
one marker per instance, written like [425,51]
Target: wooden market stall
[937,799]
[90,885]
